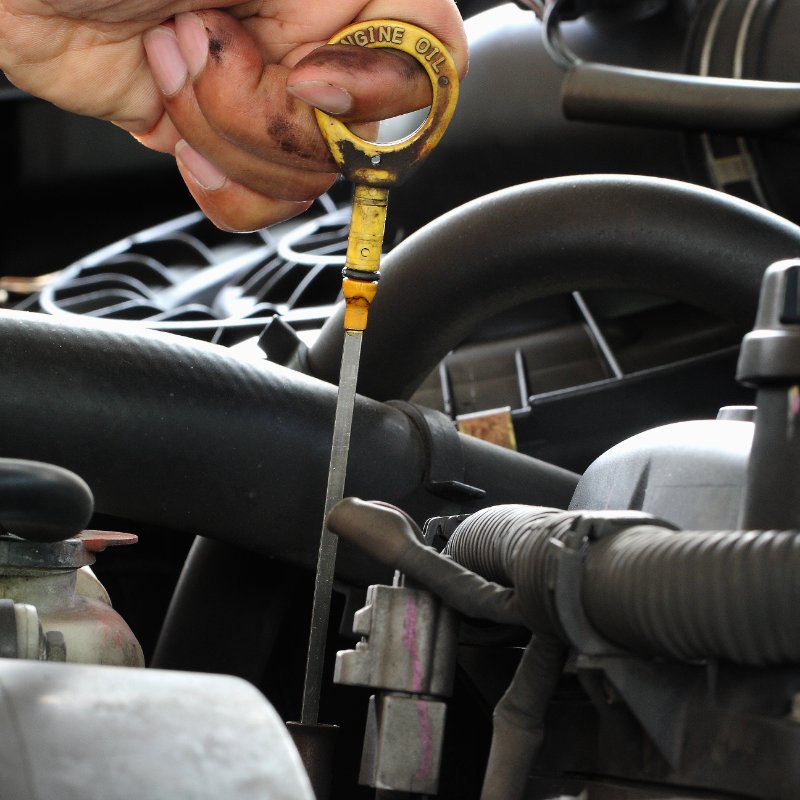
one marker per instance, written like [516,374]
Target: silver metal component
[21,635]
[409,645]
[403,744]
[326,560]
[597,335]
[24,554]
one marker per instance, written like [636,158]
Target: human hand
[226,91]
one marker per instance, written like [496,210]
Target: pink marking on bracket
[425,731]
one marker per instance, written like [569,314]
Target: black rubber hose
[604,93]
[548,237]
[684,594]
[187,436]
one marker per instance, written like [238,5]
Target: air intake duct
[643,586]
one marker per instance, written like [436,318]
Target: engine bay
[592,597]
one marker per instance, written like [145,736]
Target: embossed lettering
[422,46]
[391,34]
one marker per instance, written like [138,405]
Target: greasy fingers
[360,85]
[228,204]
[378,83]
[235,113]
[241,94]
[244,100]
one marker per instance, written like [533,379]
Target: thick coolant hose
[187,436]
[549,237]
[688,595]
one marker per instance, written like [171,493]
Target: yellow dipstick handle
[375,167]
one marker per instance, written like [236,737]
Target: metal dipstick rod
[359,287]
[373,168]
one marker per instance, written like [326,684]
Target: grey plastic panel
[689,473]
[77,732]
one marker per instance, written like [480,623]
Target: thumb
[359,84]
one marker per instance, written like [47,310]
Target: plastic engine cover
[76,732]
[689,473]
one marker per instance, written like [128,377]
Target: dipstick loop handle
[389,163]
[375,167]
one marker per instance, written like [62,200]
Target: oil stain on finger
[349,59]
[217,43]
[290,138]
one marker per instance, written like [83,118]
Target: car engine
[568,553]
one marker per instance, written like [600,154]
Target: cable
[552,39]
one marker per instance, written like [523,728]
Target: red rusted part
[97,541]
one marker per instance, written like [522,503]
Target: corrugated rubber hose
[653,591]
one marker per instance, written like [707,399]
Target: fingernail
[324,96]
[193,41]
[203,172]
[165,59]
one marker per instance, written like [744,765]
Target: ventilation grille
[187,277]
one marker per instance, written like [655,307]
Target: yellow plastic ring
[388,163]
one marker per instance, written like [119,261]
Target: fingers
[228,204]
[253,121]
[235,111]
[262,145]
[244,100]
[163,136]
[359,84]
